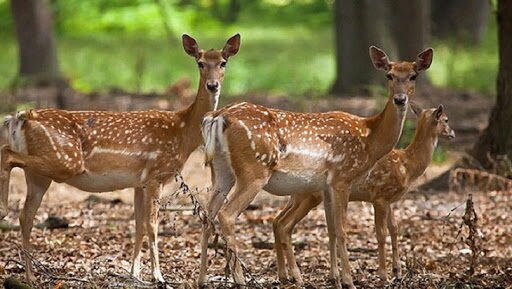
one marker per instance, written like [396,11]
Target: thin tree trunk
[358,24]
[37,51]
[410,23]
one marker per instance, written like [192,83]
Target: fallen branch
[461,178]
[201,212]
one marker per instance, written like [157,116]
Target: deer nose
[451,135]
[212,86]
[400,99]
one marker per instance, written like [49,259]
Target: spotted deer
[252,147]
[99,151]
[386,183]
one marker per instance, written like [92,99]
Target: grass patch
[285,60]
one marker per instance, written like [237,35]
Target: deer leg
[300,208]
[140,230]
[282,274]
[223,181]
[381,217]
[5,175]
[331,231]
[393,232]
[244,193]
[340,196]
[151,197]
[36,188]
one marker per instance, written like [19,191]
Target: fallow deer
[252,147]
[99,151]
[386,183]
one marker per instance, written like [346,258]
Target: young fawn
[98,151]
[383,185]
[251,147]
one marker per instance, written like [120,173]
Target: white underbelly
[104,182]
[290,183]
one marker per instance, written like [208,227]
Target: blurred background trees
[133,44]
[495,144]
[400,27]
[298,48]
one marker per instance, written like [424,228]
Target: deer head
[401,75]
[211,64]
[436,118]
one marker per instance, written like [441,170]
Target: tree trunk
[37,52]
[494,146]
[465,19]
[357,25]
[410,23]
[496,139]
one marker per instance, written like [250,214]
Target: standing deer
[98,151]
[386,183]
[252,147]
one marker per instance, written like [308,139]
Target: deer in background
[254,148]
[386,183]
[98,151]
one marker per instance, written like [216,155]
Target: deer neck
[420,150]
[192,117]
[385,130]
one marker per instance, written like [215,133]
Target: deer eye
[446,121]
[200,64]
[389,76]
[223,64]
[413,78]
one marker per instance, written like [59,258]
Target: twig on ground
[202,213]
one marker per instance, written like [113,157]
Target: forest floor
[95,250]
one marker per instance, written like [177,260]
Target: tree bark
[496,139]
[37,51]
[465,19]
[357,25]
[410,23]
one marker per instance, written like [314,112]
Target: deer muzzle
[213,85]
[451,134]
[400,99]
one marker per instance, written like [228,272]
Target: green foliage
[287,45]
[440,155]
[8,62]
[285,60]
[6,22]
[467,67]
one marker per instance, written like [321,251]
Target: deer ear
[424,59]
[416,109]
[379,58]
[438,112]
[190,45]
[232,46]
